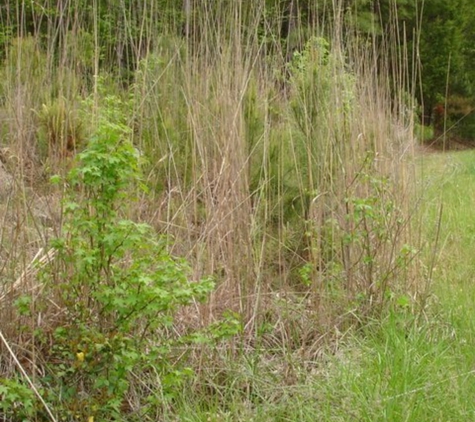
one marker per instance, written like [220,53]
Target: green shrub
[16,400]
[117,287]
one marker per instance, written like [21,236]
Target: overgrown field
[403,365]
[220,226]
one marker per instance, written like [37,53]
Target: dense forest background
[215,210]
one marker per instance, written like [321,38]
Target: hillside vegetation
[208,217]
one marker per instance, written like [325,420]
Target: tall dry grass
[283,176]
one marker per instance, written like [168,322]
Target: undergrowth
[115,290]
[278,171]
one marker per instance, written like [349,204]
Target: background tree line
[436,36]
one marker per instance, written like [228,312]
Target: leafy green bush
[16,400]
[117,287]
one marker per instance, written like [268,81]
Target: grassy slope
[401,368]
[422,369]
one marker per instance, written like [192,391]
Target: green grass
[451,182]
[399,369]
[421,368]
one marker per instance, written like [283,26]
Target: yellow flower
[90,419]
[80,358]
